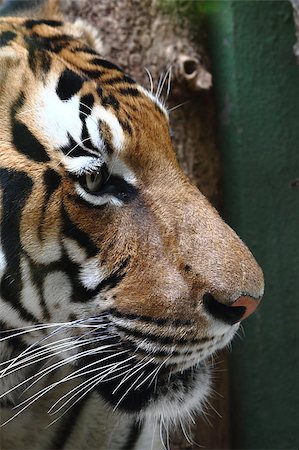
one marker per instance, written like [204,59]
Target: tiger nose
[241,308]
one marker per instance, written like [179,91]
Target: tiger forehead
[49,40]
[75,102]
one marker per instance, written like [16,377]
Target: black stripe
[37,274]
[24,141]
[53,44]
[93,74]
[14,341]
[70,230]
[16,188]
[74,150]
[27,144]
[6,37]
[85,137]
[69,84]
[45,62]
[126,126]
[120,79]
[87,50]
[132,92]
[52,180]
[148,319]
[115,278]
[129,345]
[110,100]
[86,104]
[32,54]
[10,288]
[80,294]
[106,64]
[133,436]
[164,340]
[52,23]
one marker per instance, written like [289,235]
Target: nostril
[233,313]
[249,303]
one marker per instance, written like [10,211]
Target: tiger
[119,280]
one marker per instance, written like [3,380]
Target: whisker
[168,85]
[46,371]
[35,397]
[127,391]
[166,76]
[150,79]
[188,439]
[161,433]
[178,106]
[84,373]
[159,84]
[88,382]
[141,366]
[154,373]
[66,361]
[52,351]
[62,326]
[30,330]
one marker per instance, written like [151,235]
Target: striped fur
[110,259]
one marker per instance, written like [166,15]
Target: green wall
[256,79]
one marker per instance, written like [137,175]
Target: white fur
[91,274]
[94,132]
[43,252]
[178,405]
[30,297]
[57,289]
[118,137]
[154,99]
[118,167]
[97,200]
[74,251]
[55,117]
[82,164]
[2,261]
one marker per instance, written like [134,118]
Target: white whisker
[134,371]
[127,391]
[150,80]
[178,106]
[61,326]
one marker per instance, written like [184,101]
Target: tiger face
[105,243]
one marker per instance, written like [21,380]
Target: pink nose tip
[247,302]
[230,313]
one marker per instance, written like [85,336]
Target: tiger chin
[118,279]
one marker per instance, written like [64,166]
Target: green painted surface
[256,80]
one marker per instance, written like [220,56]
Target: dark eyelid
[119,188]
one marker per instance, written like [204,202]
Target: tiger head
[105,242]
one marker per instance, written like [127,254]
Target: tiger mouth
[146,383]
[137,371]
